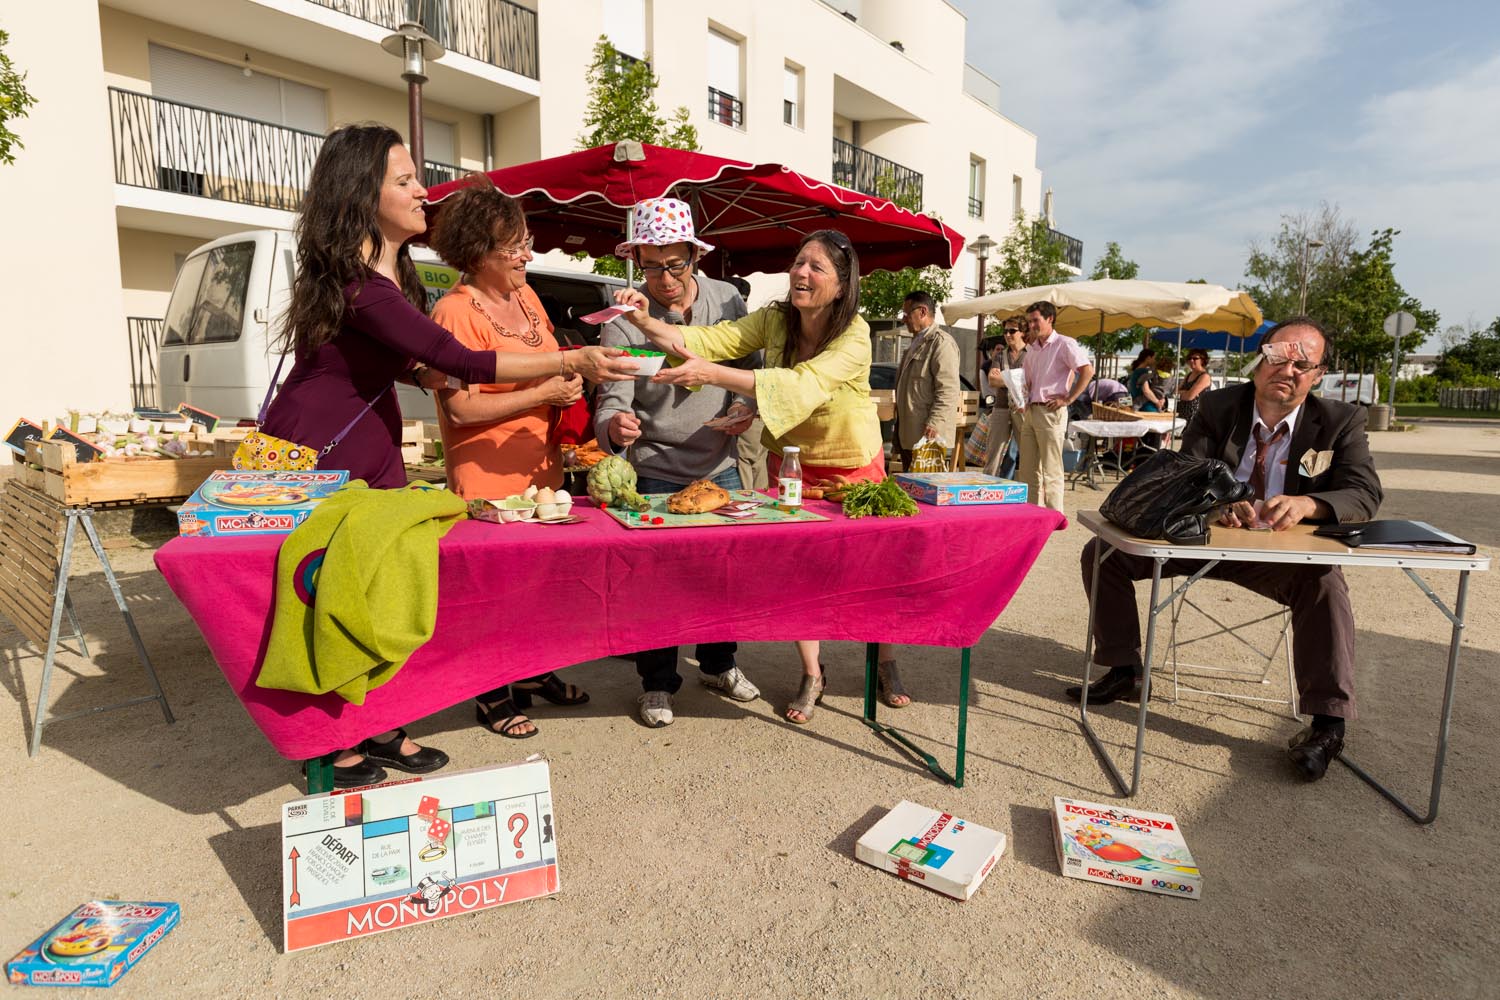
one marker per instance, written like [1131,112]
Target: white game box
[1122,846]
[931,848]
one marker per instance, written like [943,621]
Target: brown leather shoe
[1313,749]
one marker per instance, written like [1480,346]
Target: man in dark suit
[1307,459]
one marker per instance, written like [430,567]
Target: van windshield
[208,299]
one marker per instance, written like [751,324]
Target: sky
[1183,129]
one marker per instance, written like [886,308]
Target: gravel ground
[715,857]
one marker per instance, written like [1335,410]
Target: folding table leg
[83,646]
[956,779]
[1456,617]
[59,601]
[135,636]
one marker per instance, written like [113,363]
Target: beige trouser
[1040,436]
[1001,428]
[750,457]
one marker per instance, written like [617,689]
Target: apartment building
[162,124]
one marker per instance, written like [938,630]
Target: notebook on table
[1412,536]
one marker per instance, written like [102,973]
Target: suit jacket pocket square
[1314,463]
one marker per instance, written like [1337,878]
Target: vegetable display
[612,481]
[883,499]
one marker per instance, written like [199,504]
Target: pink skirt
[812,475]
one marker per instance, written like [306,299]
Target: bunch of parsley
[883,499]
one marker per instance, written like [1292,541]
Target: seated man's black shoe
[366,772]
[1120,684]
[424,761]
[1313,749]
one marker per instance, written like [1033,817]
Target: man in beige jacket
[927,385]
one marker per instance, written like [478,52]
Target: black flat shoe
[366,772]
[504,719]
[1312,750]
[1120,684]
[424,761]
[549,687]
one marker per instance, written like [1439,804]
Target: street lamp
[981,248]
[414,47]
[1302,297]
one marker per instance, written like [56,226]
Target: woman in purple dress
[356,326]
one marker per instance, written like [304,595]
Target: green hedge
[1424,388]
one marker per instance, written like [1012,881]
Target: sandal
[888,685]
[503,719]
[388,754]
[808,695]
[548,686]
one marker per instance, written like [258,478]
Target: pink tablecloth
[520,599]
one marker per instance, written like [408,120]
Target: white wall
[62,313]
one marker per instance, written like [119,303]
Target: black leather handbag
[1171,497]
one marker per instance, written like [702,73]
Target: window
[208,299]
[791,95]
[439,152]
[238,90]
[725,70]
[976,188]
[1015,196]
[625,27]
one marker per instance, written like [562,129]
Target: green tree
[1476,357]
[1368,293]
[1274,268]
[882,292]
[1114,264]
[1028,256]
[622,105]
[15,103]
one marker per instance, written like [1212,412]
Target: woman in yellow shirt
[814,391]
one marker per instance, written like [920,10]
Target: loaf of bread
[698,497]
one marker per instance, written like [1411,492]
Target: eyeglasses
[675,270]
[519,250]
[1279,354]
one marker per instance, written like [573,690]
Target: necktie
[1262,446]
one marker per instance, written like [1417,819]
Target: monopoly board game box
[94,945]
[255,503]
[931,848]
[1118,845]
[361,861]
[943,489]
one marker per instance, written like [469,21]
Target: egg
[531,492]
[543,495]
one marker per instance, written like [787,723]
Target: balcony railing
[498,32]
[861,170]
[145,338]
[726,109]
[1072,249]
[440,173]
[171,146]
[976,207]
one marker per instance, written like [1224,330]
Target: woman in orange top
[496,438]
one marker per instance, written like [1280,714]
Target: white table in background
[1116,431]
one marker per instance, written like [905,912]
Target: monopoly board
[747,506]
[364,860]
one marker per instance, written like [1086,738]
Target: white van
[1348,387]
[229,297]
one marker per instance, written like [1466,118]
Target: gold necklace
[531,337]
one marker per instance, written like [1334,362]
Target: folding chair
[1282,644]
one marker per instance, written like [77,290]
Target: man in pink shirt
[1057,370]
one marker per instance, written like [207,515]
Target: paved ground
[715,857]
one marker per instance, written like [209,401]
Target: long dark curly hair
[846,262]
[340,212]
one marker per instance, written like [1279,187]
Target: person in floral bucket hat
[672,435]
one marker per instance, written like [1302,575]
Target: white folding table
[1116,431]
[1299,546]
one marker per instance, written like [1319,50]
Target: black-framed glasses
[675,270]
[519,250]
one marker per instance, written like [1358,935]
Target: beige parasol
[1085,308]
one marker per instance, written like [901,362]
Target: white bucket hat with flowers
[661,222]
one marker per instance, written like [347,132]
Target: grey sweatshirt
[674,445]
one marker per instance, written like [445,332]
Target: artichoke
[612,481]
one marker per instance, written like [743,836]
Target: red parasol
[755,214]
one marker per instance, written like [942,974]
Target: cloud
[1450,125]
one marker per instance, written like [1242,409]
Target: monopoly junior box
[1118,845]
[943,489]
[931,848]
[94,945]
[255,503]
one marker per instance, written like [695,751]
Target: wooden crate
[411,454]
[31,538]
[413,432]
[1103,411]
[29,469]
[121,480]
[885,403]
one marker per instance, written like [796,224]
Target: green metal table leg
[320,774]
[956,779]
